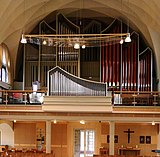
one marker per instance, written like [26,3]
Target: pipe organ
[120,67]
[111,59]
[130,65]
[145,65]
[67,56]
[90,56]
[63,83]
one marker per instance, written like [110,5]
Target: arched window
[4,64]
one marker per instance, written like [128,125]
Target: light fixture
[83,46]
[14,121]
[75,40]
[44,42]
[121,41]
[76,46]
[55,121]
[23,39]
[153,123]
[128,38]
[82,122]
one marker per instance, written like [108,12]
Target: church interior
[79,78]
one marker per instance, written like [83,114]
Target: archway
[7,134]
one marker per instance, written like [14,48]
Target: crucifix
[129,134]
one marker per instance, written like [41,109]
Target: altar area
[129,151]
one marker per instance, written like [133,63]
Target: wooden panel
[80,103]
[59,151]
[25,133]
[59,134]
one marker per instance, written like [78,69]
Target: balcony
[136,98]
[20,100]
[122,101]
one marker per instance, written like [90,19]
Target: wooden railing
[21,97]
[119,98]
[136,98]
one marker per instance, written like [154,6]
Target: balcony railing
[135,98]
[119,98]
[21,97]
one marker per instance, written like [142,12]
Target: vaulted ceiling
[17,16]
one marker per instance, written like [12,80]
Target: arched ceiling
[19,16]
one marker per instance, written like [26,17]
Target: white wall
[7,134]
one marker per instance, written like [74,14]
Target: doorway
[84,142]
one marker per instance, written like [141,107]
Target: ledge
[77,103]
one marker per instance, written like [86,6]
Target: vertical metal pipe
[138,65]
[39,56]
[57,25]
[79,53]
[121,69]
[120,82]
[151,71]
[100,62]
[49,84]
[24,67]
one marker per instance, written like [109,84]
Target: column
[111,135]
[158,137]
[48,136]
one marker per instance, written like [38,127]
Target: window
[84,143]
[4,63]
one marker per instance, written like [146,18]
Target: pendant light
[128,38]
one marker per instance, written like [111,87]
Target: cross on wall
[129,134]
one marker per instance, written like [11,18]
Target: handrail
[136,98]
[22,97]
[119,98]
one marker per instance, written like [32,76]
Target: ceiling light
[128,38]
[82,122]
[55,121]
[74,40]
[76,46]
[14,121]
[23,40]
